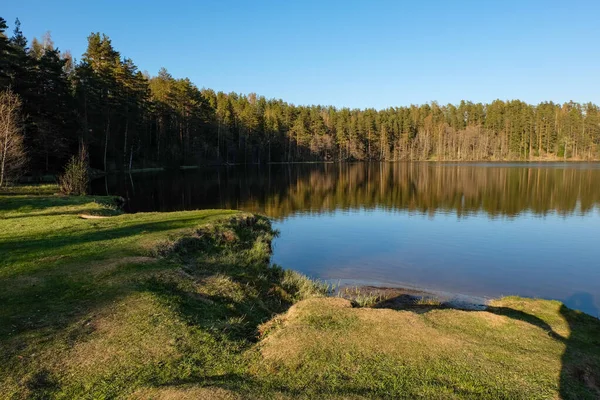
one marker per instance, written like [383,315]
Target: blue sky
[346,53]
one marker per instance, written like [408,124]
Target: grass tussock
[370,296]
[361,297]
[327,347]
[104,308]
[304,287]
[187,305]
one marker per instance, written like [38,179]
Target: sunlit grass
[169,305]
[520,348]
[91,308]
[42,189]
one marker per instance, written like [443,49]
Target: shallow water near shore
[476,229]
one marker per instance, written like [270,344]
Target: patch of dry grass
[138,319]
[517,349]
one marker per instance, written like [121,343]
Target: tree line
[129,119]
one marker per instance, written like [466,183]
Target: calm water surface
[475,229]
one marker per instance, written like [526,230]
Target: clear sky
[345,53]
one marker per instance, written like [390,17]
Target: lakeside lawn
[185,305]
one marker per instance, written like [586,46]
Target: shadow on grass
[47,303]
[580,371]
[256,293]
[27,204]
[27,247]
[46,295]
[580,374]
[247,384]
[90,211]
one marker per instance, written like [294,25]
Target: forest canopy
[127,118]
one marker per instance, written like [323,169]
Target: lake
[476,229]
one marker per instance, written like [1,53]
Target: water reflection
[475,229]
[283,190]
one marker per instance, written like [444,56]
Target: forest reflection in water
[281,190]
[478,229]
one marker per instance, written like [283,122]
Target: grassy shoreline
[187,305]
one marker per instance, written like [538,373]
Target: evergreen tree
[127,118]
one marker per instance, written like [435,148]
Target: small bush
[75,179]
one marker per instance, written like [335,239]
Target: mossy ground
[185,305]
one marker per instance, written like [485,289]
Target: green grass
[186,305]
[99,308]
[518,349]
[43,189]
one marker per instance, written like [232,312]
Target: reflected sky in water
[475,229]
[551,256]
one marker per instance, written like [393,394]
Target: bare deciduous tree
[12,152]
